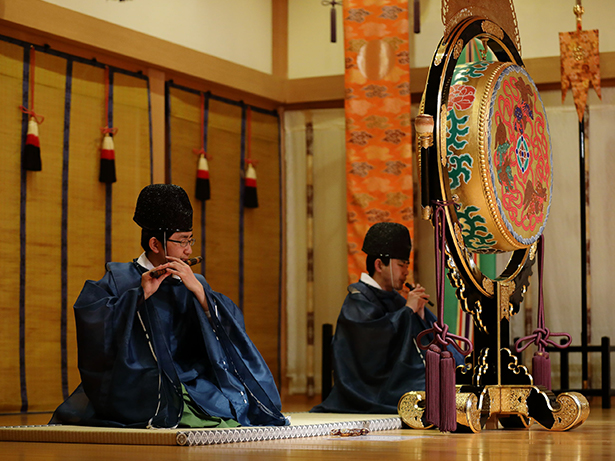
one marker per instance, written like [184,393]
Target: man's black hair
[146,236]
[370,263]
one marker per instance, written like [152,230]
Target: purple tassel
[448,406]
[541,369]
[432,385]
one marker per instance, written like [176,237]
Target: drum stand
[492,386]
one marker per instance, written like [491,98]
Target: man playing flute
[157,347]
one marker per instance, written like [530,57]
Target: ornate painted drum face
[499,156]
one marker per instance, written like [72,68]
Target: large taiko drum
[499,156]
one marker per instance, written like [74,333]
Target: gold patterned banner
[580,65]
[378,132]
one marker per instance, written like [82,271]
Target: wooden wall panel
[261,252]
[262,243]
[11,69]
[43,240]
[132,162]
[86,196]
[39,343]
[223,209]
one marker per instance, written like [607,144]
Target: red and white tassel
[107,160]
[203,191]
[250,197]
[32,149]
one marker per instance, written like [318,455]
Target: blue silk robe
[135,355]
[375,356]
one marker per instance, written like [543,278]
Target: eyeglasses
[183,243]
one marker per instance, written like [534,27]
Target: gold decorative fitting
[578,53]
[515,366]
[410,411]
[458,49]
[492,28]
[514,400]
[483,366]
[443,129]
[505,291]
[477,317]
[533,249]
[488,285]
[468,413]
[459,236]
[426,213]
[440,54]
[424,130]
[485,50]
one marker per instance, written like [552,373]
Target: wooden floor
[594,440]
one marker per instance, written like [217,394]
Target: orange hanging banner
[580,62]
[378,130]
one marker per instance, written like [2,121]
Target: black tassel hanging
[417,16]
[107,149]
[250,197]
[332,18]
[107,157]
[203,190]
[32,149]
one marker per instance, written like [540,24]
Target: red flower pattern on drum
[461,97]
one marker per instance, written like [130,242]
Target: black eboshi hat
[163,207]
[388,239]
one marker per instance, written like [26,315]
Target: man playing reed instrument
[375,355]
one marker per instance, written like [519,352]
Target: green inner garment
[193,416]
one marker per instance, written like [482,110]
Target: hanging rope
[442,337]
[39,118]
[31,158]
[440,405]
[541,364]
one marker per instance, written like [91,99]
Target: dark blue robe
[135,355]
[375,356]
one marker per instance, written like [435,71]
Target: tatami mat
[302,425]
